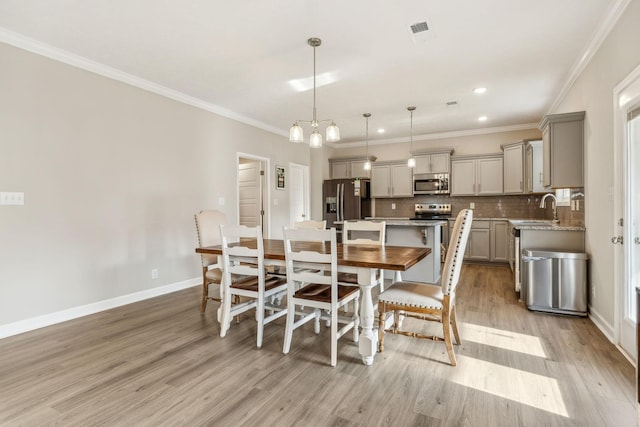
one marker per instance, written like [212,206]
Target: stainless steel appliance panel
[430,183]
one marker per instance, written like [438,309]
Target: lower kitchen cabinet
[488,240]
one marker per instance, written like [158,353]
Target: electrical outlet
[393,205]
[220,201]
[154,273]
[472,205]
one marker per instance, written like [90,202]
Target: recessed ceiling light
[380,130]
[482,118]
[479,90]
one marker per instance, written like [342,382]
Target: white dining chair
[426,301]
[315,270]
[317,225]
[257,289]
[363,233]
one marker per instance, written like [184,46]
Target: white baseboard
[33,323]
[602,324]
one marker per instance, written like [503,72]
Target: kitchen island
[416,233]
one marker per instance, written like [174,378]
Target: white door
[250,193]
[299,192]
[627,229]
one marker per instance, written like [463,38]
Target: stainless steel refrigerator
[345,199]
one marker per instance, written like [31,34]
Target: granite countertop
[529,224]
[408,222]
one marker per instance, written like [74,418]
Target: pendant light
[367,163]
[412,161]
[333,133]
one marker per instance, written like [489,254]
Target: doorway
[627,232]
[252,186]
[299,192]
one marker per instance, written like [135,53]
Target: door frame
[306,188]
[266,189]
[625,95]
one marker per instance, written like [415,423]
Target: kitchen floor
[159,362]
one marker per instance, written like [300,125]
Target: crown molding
[440,135]
[599,37]
[66,57]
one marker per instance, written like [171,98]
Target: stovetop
[432,211]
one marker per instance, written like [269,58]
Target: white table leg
[368,342]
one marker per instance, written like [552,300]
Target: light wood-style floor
[158,362]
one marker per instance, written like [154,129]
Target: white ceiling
[239,57]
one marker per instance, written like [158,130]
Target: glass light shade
[367,165]
[411,162]
[316,139]
[295,133]
[333,133]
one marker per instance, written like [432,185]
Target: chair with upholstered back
[243,260]
[317,225]
[363,233]
[208,228]
[426,301]
[312,272]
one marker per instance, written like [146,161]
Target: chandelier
[295,133]
[412,161]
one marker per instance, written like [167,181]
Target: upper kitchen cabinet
[391,180]
[533,176]
[476,175]
[349,167]
[563,150]
[433,162]
[513,168]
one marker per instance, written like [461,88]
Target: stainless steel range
[432,211]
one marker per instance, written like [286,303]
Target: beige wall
[593,93]
[112,177]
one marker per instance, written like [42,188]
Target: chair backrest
[455,253]
[315,264]
[317,225]
[208,228]
[373,230]
[237,255]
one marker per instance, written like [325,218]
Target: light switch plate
[11,198]
[220,201]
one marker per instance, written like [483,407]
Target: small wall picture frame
[280,182]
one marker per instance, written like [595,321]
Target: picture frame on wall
[280,182]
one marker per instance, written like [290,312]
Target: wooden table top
[399,258]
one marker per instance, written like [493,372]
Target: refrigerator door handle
[338,202]
[342,202]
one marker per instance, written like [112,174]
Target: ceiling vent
[420,31]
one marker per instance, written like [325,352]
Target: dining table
[363,260]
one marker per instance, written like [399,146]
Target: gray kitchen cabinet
[391,180]
[432,162]
[533,167]
[500,236]
[476,176]
[349,167]
[340,170]
[479,248]
[513,168]
[563,150]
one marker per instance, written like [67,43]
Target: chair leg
[225,322]
[454,325]
[316,322]
[260,320]
[381,323]
[205,295]
[356,320]
[334,337]
[446,329]
[288,332]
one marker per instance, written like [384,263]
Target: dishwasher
[555,281]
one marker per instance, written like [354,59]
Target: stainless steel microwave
[431,183]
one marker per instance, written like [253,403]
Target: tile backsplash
[518,206]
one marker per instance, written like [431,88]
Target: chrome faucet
[553,205]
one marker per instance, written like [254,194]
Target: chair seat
[214,275]
[250,283]
[322,293]
[348,278]
[413,294]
